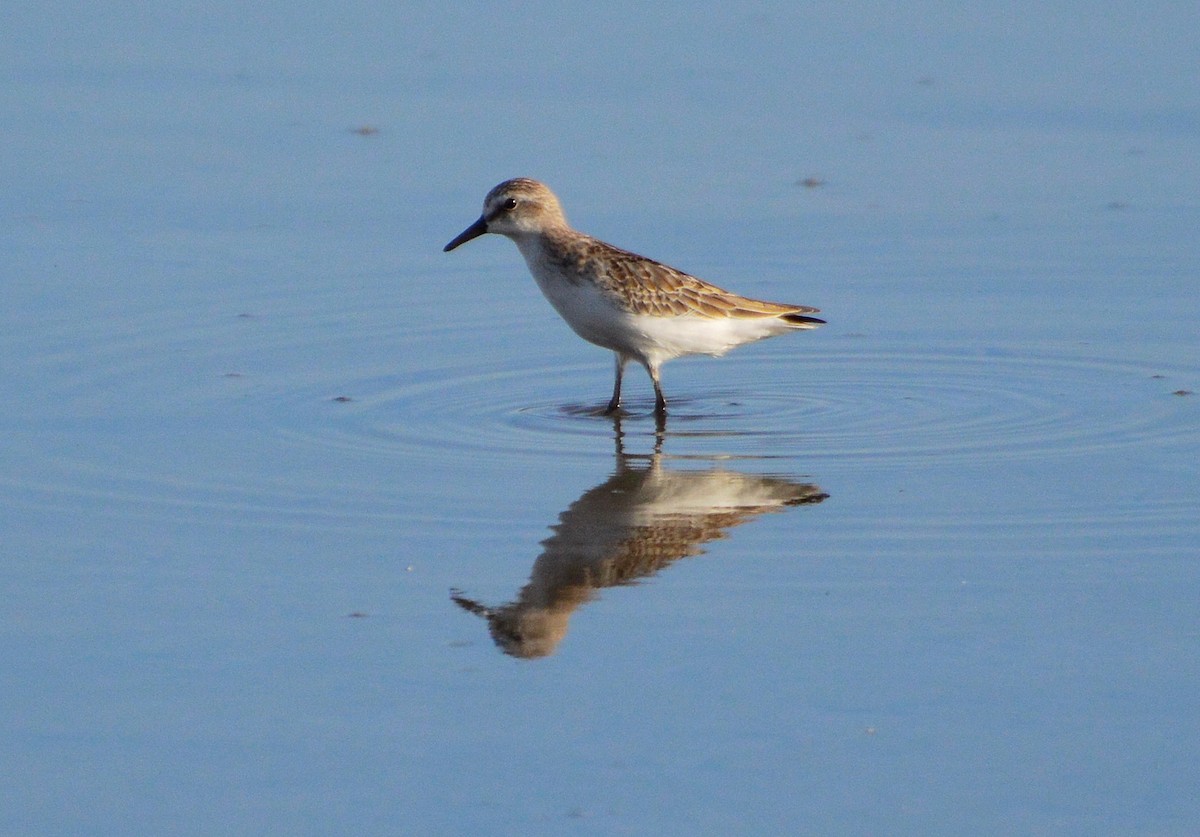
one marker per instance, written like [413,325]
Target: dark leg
[660,401]
[615,403]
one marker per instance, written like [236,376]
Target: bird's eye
[509,204]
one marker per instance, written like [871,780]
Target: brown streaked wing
[649,287]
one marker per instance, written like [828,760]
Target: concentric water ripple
[268,411]
[867,406]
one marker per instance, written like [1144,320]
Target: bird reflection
[636,523]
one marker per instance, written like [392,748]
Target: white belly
[593,316]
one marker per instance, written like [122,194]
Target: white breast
[583,305]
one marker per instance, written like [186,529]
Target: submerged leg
[660,401]
[615,403]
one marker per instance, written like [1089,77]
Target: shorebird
[638,308]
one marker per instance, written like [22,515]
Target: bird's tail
[801,321]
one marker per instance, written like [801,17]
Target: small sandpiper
[638,308]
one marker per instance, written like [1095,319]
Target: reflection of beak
[469,605]
[474,231]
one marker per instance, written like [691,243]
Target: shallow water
[311,527]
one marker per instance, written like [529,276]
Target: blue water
[311,528]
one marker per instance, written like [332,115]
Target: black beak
[474,231]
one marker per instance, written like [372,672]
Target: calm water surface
[311,528]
